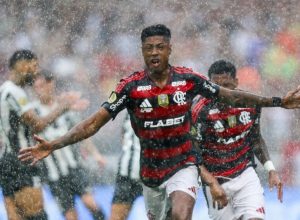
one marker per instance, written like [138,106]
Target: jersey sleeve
[118,99]
[205,87]
[18,100]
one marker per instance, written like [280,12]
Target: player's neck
[16,80]
[160,78]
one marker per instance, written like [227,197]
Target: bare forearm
[206,176]
[261,151]
[83,130]
[239,98]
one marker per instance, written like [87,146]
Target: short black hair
[47,75]
[222,66]
[21,55]
[156,30]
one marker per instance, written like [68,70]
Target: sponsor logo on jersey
[118,103]
[163,100]
[179,83]
[219,126]
[213,111]
[209,86]
[245,117]
[164,123]
[143,88]
[146,106]
[179,97]
[233,139]
[112,98]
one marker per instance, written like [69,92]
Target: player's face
[27,70]
[43,88]
[225,80]
[156,51]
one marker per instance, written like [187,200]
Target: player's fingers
[280,192]
[38,138]
[25,157]
[34,161]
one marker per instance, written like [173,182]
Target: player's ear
[170,49]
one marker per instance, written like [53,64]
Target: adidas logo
[146,106]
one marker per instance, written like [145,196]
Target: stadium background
[91,44]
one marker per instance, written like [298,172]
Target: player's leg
[182,188]
[126,191]
[157,202]
[248,202]
[79,184]
[11,209]
[29,201]
[90,203]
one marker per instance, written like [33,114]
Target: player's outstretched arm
[83,130]
[262,154]
[218,194]
[244,99]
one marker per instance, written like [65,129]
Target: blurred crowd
[91,44]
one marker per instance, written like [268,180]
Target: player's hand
[67,99]
[218,194]
[274,181]
[292,99]
[37,152]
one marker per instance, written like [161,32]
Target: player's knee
[182,212]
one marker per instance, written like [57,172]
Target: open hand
[37,152]
[292,99]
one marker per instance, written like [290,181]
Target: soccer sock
[41,216]
[98,215]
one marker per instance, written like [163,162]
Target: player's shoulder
[134,77]
[199,104]
[8,87]
[187,71]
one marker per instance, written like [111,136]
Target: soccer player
[229,138]
[65,174]
[20,182]
[128,186]
[158,100]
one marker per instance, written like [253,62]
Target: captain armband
[269,166]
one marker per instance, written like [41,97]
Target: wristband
[276,102]
[269,166]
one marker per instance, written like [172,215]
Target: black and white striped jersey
[129,164]
[13,104]
[60,161]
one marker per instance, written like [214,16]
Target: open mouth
[155,62]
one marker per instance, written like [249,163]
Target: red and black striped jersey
[161,118]
[226,136]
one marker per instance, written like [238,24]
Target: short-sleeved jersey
[13,104]
[225,135]
[60,161]
[161,118]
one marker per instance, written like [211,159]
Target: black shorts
[16,175]
[126,190]
[67,187]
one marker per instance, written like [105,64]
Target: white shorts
[157,200]
[245,198]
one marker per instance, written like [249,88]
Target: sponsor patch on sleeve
[113,97]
